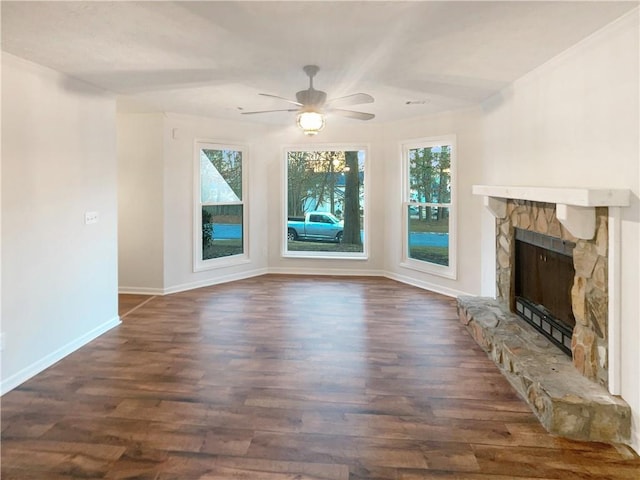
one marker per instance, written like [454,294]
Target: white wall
[465,125]
[140,203]
[149,140]
[178,140]
[266,178]
[175,144]
[575,122]
[59,286]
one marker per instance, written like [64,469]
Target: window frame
[199,264]
[449,271]
[284,252]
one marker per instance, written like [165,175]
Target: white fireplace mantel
[575,207]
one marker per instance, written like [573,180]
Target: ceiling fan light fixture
[310,122]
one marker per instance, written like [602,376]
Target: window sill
[325,256]
[431,268]
[223,262]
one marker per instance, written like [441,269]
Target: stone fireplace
[588,292]
[563,358]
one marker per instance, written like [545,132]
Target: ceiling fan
[313,104]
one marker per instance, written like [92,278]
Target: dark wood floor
[129,303]
[287,378]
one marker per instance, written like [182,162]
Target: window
[325,203]
[219,230]
[429,206]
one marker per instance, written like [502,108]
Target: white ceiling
[210,58]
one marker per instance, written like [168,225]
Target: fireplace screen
[544,275]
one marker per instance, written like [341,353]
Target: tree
[421,176]
[430,178]
[335,159]
[299,188]
[352,200]
[312,180]
[229,164]
[444,179]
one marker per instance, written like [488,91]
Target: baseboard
[214,281]
[449,292]
[346,272]
[26,373]
[140,291]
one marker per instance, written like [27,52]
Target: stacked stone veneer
[589,293]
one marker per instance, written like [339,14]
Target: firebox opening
[543,278]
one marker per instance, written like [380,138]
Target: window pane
[221,231]
[220,176]
[430,174]
[325,201]
[429,233]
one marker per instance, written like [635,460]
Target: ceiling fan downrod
[311,71]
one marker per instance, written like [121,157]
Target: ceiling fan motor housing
[311,98]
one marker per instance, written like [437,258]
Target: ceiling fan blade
[355,99]
[281,98]
[352,114]
[270,111]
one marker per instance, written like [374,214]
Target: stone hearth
[565,402]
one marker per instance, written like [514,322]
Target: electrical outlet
[90,217]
